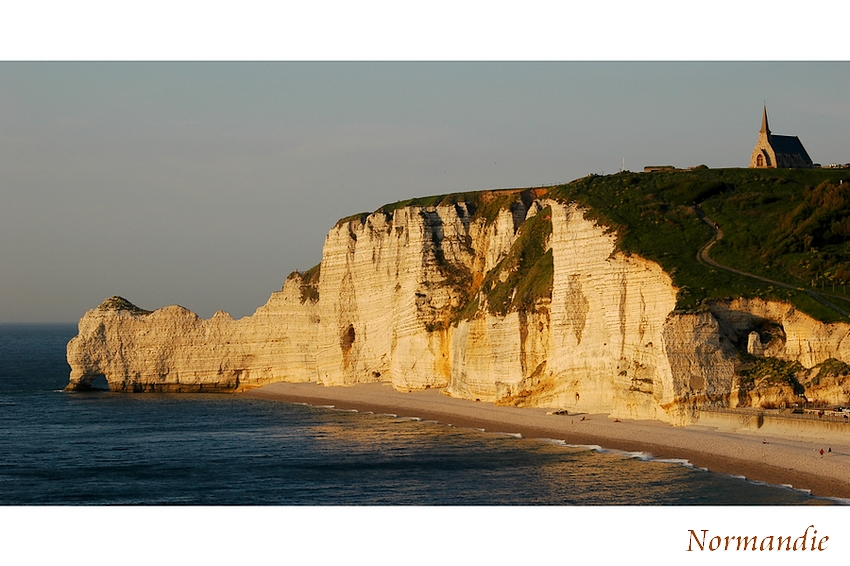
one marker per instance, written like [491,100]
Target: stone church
[774,151]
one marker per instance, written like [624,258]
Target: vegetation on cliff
[526,274]
[310,284]
[770,383]
[789,225]
[117,303]
[519,279]
[791,228]
[770,371]
[480,204]
[829,368]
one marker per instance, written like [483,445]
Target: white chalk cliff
[450,296]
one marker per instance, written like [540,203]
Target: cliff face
[172,349]
[518,301]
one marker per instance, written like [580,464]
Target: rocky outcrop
[783,331]
[507,297]
[172,349]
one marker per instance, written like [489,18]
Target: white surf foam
[593,447]
[679,461]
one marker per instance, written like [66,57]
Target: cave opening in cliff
[99,383]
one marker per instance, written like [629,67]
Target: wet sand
[782,460]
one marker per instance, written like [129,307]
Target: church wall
[763,148]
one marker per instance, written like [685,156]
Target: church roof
[788,145]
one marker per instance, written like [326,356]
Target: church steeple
[764,128]
[774,151]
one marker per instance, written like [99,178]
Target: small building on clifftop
[774,151]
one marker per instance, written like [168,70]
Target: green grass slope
[788,225]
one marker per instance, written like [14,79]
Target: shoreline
[782,460]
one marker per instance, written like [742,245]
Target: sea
[105,448]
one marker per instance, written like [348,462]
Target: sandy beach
[777,459]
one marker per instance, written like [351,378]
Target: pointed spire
[764,127]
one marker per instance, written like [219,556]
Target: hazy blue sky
[205,184]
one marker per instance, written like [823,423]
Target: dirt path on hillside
[703,258]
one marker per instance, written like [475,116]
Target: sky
[205,183]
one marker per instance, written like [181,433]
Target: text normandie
[700,540]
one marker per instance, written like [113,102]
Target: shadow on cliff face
[737,324]
[96,383]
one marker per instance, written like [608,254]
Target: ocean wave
[679,461]
[511,434]
[788,486]
[592,447]
[346,410]
[841,500]
[642,456]
[635,455]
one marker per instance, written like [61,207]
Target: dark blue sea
[104,448]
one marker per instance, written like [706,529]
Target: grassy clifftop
[788,225]
[481,204]
[791,226]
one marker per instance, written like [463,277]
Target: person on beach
[577,397]
[821,452]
